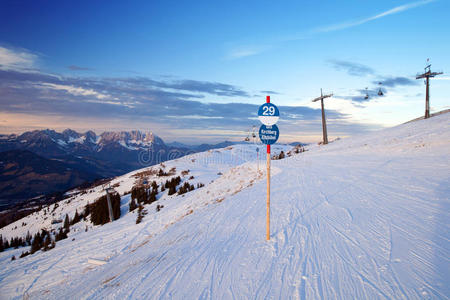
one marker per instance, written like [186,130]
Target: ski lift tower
[427,75]
[110,191]
[324,123]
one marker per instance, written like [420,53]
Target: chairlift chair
[380,92]
[247,138]
[367,95]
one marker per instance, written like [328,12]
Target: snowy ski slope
[361,218]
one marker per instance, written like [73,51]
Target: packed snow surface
[360,218]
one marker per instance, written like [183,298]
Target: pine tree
[16,242]
[76,218]
[172,190]
[140,214]
[152,197]
[66,223]
[155,186]
[132,205]
[2,247]
[28,238]
[162,173]
[61,235]
[36,244]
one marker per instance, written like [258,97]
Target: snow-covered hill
[361,218]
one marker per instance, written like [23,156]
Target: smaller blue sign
[269,134]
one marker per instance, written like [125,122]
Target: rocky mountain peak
[90,136]
[69,133]
[131,137]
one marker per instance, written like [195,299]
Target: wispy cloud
[392,11]
[17,59]
[78,68]
[269,92]
[352,68]
[245,51]
[396,81]
[176,105]
[214,88]
[76,91]
[166,103]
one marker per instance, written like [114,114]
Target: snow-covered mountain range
[80,157]
[361,218]
[107,154]
[72,142]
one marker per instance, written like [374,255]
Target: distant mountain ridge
[72,158]
[70,139]
[87,155]
[201,147]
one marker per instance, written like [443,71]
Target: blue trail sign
[268,114]
[269,134]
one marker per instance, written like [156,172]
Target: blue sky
[196,71]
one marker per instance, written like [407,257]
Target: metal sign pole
[257,161]
[268,114]
[268,187]
[268,194]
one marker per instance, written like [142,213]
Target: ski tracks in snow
[348,221]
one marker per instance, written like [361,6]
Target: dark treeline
[172,184]
[186,187]
[99,212]
[42,240]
